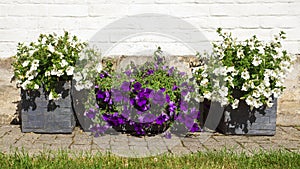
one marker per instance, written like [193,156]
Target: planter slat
[243,121]
[38,114]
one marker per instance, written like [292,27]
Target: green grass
[221,159]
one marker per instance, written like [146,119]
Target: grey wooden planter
[79,98]
[243,121]
[41,115]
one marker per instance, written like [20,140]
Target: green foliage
[219,159]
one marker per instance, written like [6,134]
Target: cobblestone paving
[287,138]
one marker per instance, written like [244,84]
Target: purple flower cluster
[136,105]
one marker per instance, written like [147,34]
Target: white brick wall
[24,20]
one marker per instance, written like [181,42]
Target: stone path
[11,138]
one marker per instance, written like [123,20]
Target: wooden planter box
[243,121]
[79,98]
[41,115]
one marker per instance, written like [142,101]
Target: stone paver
[11,139]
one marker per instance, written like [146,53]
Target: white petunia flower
[31,77]
[240,54]
[224,101]
[220,71]
[83,57]
[70,70]
[26,63]
[245,75]
[51,48]
[235,104]
[230,69]
[99,67]
[35,62]
[88,84]
[36,86]
[229,79]
[267,92]
[276,92]
[203,74]
[255,94]
[256,61]
[77,76]
[245,87]
[207,95]
[47,73]
[24,84]
[234,73]
[250,101]
[79,86]
[223,91]
[204,82]
[278,84]
[63,63]
[266,81]
[51,97]
[59,73]
[257,104]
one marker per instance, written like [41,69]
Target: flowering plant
[143,98]
[45,62]
[254,68]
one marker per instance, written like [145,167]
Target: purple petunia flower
[107,96]
[168,135]
[91,114]
[182,73]
[139,128]
[188,121]
[168,99]
[132,101]
[147,118]
[195,128]
[174,87]
[161,119]
[159,59]
[184,84]
[137,86]
[97,129]
[150,72]
[125,86]
[184,106]
[102,76]
[128,72]
[191,88]
[163,89]
[141,102]
[100,94]
[139,112]
[117,95]
[170,71]
[125,112]
[158,98]
[184,92]
[172,106]
[194,113]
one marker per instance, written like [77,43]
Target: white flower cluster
[30,74]
[88,68]
[250,67]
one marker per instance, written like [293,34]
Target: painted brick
[27,10]
[189,10]
[68,10]
[23,20]
[108,9]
